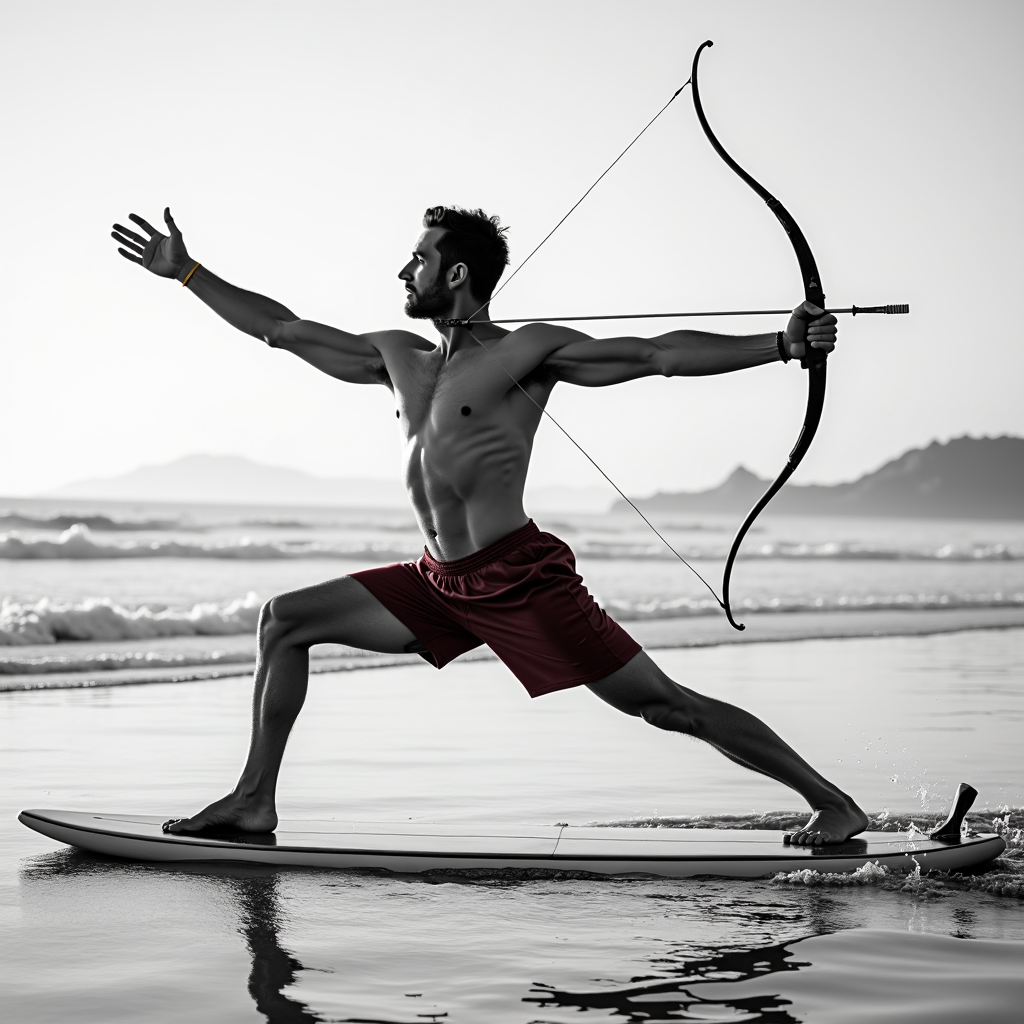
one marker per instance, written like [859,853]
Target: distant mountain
[233,480]
[966,478]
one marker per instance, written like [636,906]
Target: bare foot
[233,813]
[833,823]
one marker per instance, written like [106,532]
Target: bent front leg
[341,611]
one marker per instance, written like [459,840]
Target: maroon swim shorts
[521,596]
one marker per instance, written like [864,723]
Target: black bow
[814,360]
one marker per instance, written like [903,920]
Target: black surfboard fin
[950,828]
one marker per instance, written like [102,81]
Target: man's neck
[457,337]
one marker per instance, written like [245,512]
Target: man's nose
[405,274]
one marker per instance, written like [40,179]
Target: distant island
[235,480]
[966,478]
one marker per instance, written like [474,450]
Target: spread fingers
[128,243]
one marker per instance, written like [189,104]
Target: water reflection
[254,896]
[680,998]
[274,968]
[707,951]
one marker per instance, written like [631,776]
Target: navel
[398,415]
[465,410]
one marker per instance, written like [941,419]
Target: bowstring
[572,209]
[544,411]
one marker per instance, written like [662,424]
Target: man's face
[429,296]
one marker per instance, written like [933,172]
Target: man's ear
[457,276]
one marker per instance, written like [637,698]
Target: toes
[812,839]
[175,826]
[808,838]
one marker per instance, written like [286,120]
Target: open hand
[812,326]
[163,255]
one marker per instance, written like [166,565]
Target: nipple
[465,410]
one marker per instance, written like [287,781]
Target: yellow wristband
[189,274]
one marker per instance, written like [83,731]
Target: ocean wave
[685,607]
[24,520]
[874,553]
[77,542]
[46,622]
[275,522]
[101,619]
[108,661]
[784,550]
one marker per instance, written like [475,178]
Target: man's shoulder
[544,337]
[397,342]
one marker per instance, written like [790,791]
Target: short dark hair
[473,238]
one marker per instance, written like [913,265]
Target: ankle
[253,792]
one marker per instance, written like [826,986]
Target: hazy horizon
[220,478]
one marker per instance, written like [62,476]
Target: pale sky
[299,143]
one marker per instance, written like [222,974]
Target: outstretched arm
[600,362]
[351,357]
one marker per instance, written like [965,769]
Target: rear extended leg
[641,689]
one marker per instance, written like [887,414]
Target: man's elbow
[277,333]
[659,362]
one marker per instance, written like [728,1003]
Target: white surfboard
[415,847]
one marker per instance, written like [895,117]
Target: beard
[435,303]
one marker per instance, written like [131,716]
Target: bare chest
[436,397]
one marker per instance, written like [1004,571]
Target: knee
[677,714]
[277,621]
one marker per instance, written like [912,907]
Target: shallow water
[896,721]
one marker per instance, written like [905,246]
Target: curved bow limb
[814,360]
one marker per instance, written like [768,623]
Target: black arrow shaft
[892,308]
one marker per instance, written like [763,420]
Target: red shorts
[521,596]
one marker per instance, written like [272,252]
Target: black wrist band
[781,345]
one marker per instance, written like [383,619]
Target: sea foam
[46,622]
[77,542]
[100,618]
[687,607]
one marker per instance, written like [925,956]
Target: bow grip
[812,356]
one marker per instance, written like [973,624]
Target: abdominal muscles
[467,481]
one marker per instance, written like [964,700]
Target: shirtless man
[487,574]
